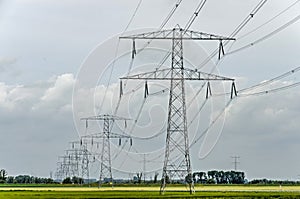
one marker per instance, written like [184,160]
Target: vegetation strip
[143,194]
[228,191]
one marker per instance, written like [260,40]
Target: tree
[167,178]
[189,178]
[77,180]
[3,175]
[24,179]
[221,178]
[212,175]
[203,177]
[139,177]
[211,181]
[67,181]
[10,179]
[228,177]
[238,177]
[155,177]
[199,177]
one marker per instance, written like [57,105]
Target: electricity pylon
[177,161]
[85,158]
[235,161]
[62,170]
[106,135]
[75,161]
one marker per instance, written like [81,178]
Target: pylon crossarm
[80,143]
[79,152]
[186,35]
[166,74]
[156,75]
[104,117]
[101,135]
[191,74]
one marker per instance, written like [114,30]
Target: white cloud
[4,89]
[58,96]
[63,84]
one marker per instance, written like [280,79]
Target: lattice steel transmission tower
[75,161]
[85,158]
[64,166]
[235,161]
[177,163]
[62,170]
[106,135]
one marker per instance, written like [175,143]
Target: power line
[211,124]
[133,15]
[270,20]
[248,18]
[194,16]
[272,90]
[229,102]
[163,24]
[161,27]
[294,20]
[264,83]
[188,24]
[166,20]
[236,31]
[116,53]
[243,95]
[291,72]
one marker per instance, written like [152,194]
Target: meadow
[226,191]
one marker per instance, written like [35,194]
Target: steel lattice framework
[106,135]
[177,163]
[75,162]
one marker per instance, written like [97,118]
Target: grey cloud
[6,63]
[34,132]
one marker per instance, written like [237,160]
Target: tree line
[73,180]
[219,177]
[26,179]
[209,177]
[273,182]
[23,179]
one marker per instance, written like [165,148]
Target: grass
[151,192]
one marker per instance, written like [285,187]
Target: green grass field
[150,192]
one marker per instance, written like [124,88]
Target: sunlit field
[227,191]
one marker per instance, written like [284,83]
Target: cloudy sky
[48,46]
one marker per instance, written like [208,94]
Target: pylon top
[188,74]
[186,35]
[105,117]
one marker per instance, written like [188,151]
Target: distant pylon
[106,135]
[235,161]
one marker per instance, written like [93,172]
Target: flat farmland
[233,191]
